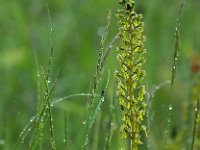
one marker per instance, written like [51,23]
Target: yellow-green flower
[131,89]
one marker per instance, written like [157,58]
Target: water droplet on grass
[31,120]
[169,121]
[170,107]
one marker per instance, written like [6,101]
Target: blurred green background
[77,29]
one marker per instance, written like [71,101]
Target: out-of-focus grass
[77,25]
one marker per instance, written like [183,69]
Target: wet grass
[72,97]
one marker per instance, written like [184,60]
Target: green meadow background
[77,29]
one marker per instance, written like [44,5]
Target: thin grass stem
[174,68]
[110,124]
[195,123]
[66,128]
[93,114]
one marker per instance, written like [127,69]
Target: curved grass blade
[92,116]
[74,95]
[99,66]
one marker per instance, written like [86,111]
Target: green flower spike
[131,90]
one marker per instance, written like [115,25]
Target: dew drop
[196,109]
[48,81]
[38,75]
[170,107]
[174,67]
[41,124]
[31,120]
[84,122]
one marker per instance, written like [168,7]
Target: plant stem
[195,122]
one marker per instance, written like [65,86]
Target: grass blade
[174,68]
[195,123]
[177,43]
[92,116]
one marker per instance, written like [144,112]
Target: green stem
[195,122]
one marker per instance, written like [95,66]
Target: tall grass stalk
[111,117]
[177,43]
[176,49]
[92,111]
[95,141]
[48,90]
[195,122]
[47,80]
[174,68]
[41,120]
[93,114]
[37,123]
[99,66]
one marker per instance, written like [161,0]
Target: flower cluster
[131,89]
